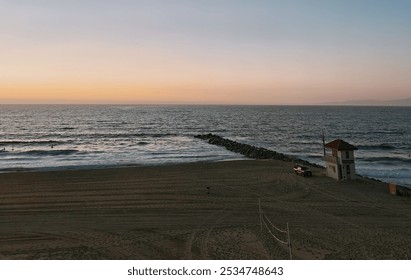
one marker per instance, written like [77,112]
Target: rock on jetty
[250,151]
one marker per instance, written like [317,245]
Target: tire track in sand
[189,246]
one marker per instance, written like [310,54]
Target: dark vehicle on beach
[302,170]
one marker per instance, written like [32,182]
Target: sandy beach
[167,212]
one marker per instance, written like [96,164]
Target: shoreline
[198,211]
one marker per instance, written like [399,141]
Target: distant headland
[397,102]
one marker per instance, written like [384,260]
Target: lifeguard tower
[340,164]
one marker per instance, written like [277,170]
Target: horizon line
[205,104]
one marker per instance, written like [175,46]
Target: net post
[259,209]
[289,242]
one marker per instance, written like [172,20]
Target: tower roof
[340,145]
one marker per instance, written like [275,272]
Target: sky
[204,51]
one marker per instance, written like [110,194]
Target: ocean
[55,137]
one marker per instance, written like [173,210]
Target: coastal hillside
[397,102]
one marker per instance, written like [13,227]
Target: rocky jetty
[403,191]
[250,151]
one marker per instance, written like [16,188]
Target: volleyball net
[282,236]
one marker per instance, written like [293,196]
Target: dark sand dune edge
[164,212]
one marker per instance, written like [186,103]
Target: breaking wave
[383,146]
[30,142]
[49,152]
[389,160]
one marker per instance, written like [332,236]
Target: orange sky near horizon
[90,73]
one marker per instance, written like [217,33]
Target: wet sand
[167,212]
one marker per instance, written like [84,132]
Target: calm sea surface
[69,136]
